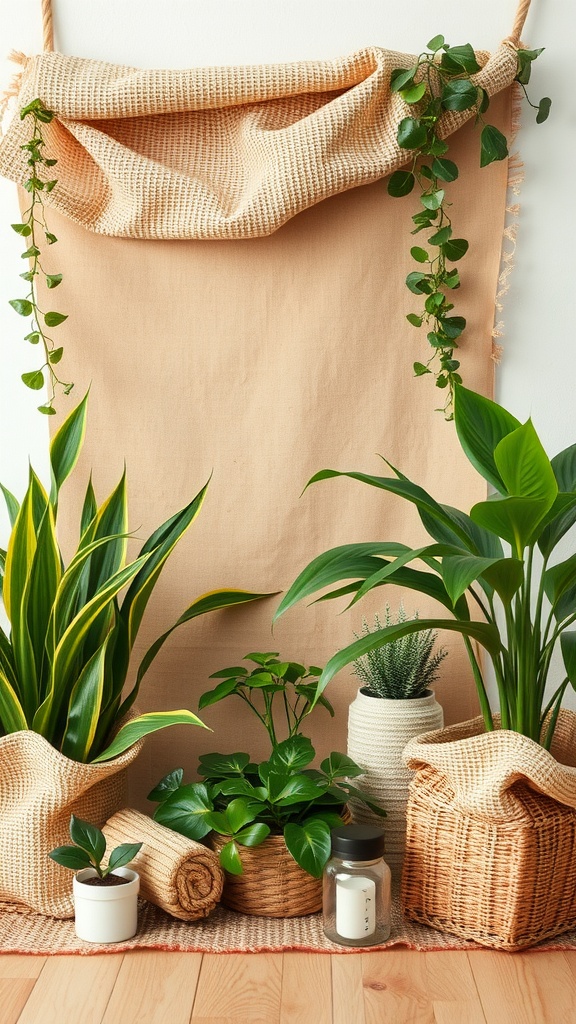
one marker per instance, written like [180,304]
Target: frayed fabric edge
[17,57]
[507,258]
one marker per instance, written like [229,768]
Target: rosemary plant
[404,669]
[32,227]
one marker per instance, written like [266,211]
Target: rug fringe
[507,264]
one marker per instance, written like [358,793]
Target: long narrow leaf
[45,575]
[84,708]
[143,726]
[66,446]
[12,505]
[11,712]
[19,561]
[210,602]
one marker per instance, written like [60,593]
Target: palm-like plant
[496,561]
[64,663]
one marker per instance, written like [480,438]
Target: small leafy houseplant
[64,664]
[404,669]
[105,897]
[88,850]
[497,561]
[441,81]
[247,802]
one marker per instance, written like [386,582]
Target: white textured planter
[106,913]
[378,730]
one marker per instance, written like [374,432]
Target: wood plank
[72,988]
[306,989]
[15,965]
[524,988]
[14,993]
[452,989]
[347,990]
[396,988]
[155,987]
[239,988]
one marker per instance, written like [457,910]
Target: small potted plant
[271,821]
[105,898]
[394,704]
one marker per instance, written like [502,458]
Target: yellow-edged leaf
[143,726]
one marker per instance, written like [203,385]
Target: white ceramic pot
[106,913]
[378,730]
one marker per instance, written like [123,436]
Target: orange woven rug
[223,932]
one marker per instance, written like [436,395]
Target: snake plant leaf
[12,504]
[7,659]
[12,714]
[89,508]
[84,708]
[66,446]
[45,576]
[481,424]
[524,467]
[513,519]
[309,844]
[70,646]
[483,632]
[66,602]
[144,725]
[212,601]
[19,555]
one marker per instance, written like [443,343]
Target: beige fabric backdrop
[260,359]
[264,361]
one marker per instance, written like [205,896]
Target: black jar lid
[357,842]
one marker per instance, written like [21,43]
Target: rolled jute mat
[177,874]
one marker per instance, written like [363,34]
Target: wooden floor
[396,986]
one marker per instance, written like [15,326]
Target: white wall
[538,373]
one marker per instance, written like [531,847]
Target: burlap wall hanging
[234,274]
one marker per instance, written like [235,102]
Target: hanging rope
[47,26]
[523,8]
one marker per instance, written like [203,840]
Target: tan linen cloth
[259,360]
[182,877]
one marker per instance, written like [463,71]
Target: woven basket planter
[39,790]
[378,730]
[491,834]
[272,884]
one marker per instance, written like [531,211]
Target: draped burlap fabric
[182,877]
[39,790]
[503,793]
[215,343]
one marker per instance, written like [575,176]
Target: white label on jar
[355,906]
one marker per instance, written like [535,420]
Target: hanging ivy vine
[38,184]
[440,81]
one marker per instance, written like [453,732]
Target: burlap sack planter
[491,834]
[39,790]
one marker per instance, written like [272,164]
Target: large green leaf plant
[246,802]
[65,659]
[497,562]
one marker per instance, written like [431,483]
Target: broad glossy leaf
[230,858]
[186,811]
[218,765]
[66,446]
[70,857]
[559,582]
[286,790]
[88,837]
[478,541]
[481,424]
[292,754]
[253,835]
[309,845]
[460,571]
[513,519]
[564,468]
[224,689]
[460,58]
[484,633]
[122,855]
[171,783]
[524,467]
[144,725]
[493,145]
[238,813]
[459,94]
[506,577]
[429,553]
[340,766]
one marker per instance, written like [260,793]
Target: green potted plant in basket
[67,725]
[498,563]
[394,704]
[270,821]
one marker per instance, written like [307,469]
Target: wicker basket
[272,884]
[491,834]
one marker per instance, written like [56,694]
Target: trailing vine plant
[32,226]
[440,81]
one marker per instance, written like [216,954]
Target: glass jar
[356,895]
